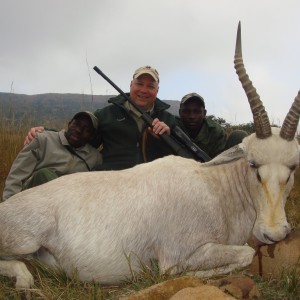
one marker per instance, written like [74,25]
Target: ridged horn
[291,120]
[260,117]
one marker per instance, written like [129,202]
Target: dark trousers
[39,177]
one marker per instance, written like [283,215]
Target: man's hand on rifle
[159,128]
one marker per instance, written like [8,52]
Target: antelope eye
[252,164]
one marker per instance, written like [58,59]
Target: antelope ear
[232,154]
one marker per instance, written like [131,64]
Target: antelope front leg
[217,259]
[14,268]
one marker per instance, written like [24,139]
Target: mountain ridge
[50,108]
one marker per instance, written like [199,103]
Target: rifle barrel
[171,141]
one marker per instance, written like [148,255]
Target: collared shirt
[48,150]
[137,115]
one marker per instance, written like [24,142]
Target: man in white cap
[52,154]
[123,132]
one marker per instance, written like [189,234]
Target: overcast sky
[51,46]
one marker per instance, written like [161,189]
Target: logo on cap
[147,70]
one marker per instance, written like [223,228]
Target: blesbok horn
[260,117]
[291,120]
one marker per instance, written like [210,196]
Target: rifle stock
[197,151]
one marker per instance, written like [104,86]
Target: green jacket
[124,146]
[211,137]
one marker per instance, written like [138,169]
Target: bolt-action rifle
[185,147]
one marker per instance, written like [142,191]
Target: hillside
[51,108]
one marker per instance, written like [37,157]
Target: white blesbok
[184,214]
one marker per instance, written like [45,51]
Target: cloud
[51,46]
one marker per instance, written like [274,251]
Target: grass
[50,284]
[286,288]
[11,142]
